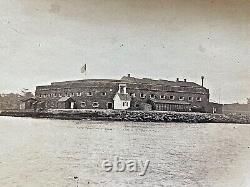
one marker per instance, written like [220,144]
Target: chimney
[177,79]
[202,81]
[129,75]
[185,80]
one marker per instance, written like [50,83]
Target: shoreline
[134,116]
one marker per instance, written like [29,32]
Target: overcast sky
[42,41]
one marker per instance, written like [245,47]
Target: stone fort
[126,93]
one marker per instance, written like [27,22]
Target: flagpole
[86,73]
[85,68]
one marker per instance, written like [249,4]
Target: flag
[84,68]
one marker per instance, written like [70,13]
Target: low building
[122,99]
[126,93]
[27,104]
[236,108]
[66,103]
[165,105]
[214,108]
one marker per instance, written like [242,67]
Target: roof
[160,81]
[112,82]
[63,99]
[124,97]
[27,99]
[213,103]
[87,80]
[169,102]
[40,102]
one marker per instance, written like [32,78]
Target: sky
[43,41]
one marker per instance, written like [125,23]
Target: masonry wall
[79,90]
[236,108]
[214,108]
[158,91]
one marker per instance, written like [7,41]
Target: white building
[122,99]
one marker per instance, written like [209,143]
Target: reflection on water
[42,152]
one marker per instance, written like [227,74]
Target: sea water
[45,152]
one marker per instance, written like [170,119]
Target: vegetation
[12,101]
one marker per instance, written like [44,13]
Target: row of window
[179,88]
[78,94]
[165,107]
[159,87]
[142,95]
[171,97]
[82,104]
[94,104]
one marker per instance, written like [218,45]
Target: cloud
[48,40]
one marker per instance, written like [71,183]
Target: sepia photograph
[124,93]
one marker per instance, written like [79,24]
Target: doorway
[72,105]
[110,105]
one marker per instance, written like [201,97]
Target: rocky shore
[136,116]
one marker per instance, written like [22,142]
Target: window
[122,88]
[103,93]
[142,95]
[190,98]
[78,94]
[181,98]
[89,94]
[162,97]
[110,105]
[152,96]
[132,95]
[125,104]
[83,104]
[171,97]
[95,104]
[198,98]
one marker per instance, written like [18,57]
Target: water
[42,152]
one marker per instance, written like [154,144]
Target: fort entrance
[109,105]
